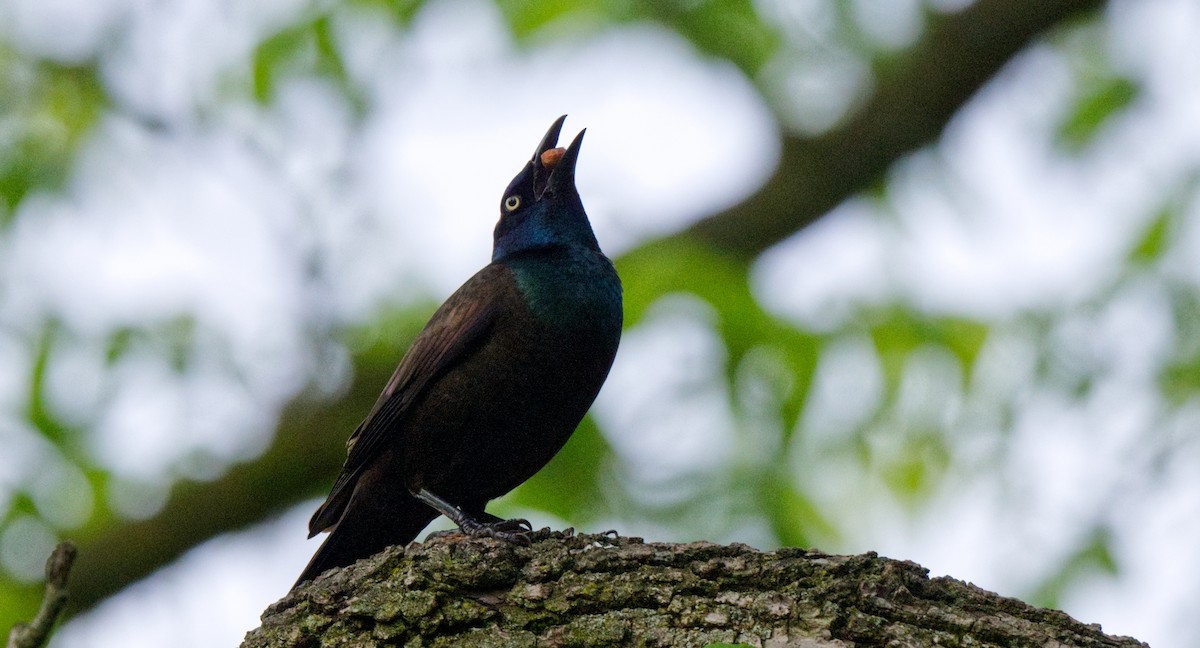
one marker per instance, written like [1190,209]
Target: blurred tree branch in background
[916,93]
[308,446]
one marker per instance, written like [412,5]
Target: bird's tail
[363,533]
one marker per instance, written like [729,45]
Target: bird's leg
[487,519]
[516,531]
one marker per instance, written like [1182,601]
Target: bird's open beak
[554,167]
[549,140]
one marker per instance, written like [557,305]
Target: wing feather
[457,328]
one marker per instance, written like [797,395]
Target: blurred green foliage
[1092,556]
[1155,239]
[47,110]
[306,47]
[726,29]
[567,487]
[1102,92]
[1099,105]
[40,415]
[1179,378]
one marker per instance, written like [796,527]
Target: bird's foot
[514,531]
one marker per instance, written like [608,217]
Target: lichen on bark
[596,590]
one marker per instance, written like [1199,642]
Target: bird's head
[541,207]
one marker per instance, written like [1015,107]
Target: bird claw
[515,531]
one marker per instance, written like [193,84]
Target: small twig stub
[35,633]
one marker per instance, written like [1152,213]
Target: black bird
[493,386]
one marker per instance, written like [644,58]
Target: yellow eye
[511,203]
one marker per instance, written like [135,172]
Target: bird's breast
[508,406]
[576,291]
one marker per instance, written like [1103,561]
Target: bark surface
[595,590]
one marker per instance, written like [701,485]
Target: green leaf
[895,337]
[1157,237]
[272,54]
[118,344]
[1153,241]
[305,47]
[1180,380]
[730,29]
[1094,555]
[964,338]
[795,519]
[49,109]
[917,467]
[402,11]
[527,19]
[1094,110]
[897,333]
[1179,377]
[801,352]
[38,409]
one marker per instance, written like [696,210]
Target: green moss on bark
[593,591]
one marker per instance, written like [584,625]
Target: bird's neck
[543,227]
[567,284]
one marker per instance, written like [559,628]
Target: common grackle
[493,386]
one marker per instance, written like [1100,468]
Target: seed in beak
[550,157]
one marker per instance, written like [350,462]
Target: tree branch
[35,633]
[308,451]
[911,105]
[922,90]
[594,590]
